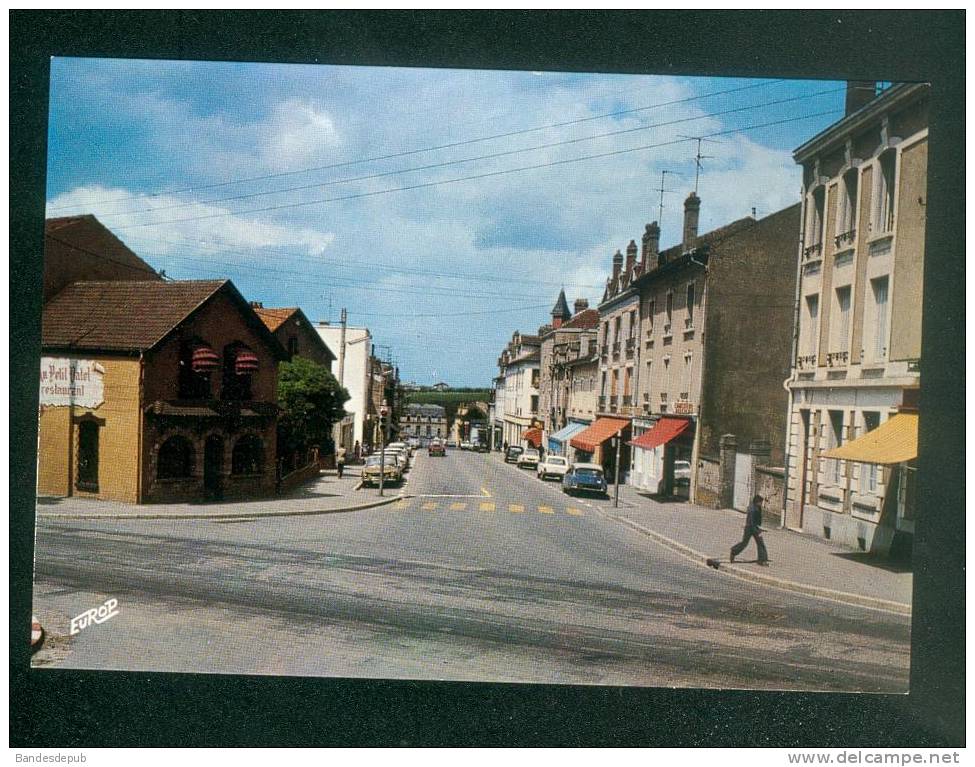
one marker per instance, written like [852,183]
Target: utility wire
[490,174]
[452,144]
[476,158]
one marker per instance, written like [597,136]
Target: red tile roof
[275,318]
[587,319]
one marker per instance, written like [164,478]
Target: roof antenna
[698,157]
[663,174]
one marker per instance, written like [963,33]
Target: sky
[444,209]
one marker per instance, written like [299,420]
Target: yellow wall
[908,278]
[118,438]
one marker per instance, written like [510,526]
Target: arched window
[175,459]
[239,365]
[197,363]
[248,456]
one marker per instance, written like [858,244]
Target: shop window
[175,459]
[88,456]
[239,365]
[248,456]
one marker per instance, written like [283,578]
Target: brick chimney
[580,305]
[859,93]
[651,246]
[692,211]
[617,265]
[630,257]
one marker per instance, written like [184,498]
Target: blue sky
[232,170]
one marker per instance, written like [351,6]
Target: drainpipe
[792,363]
[696,449]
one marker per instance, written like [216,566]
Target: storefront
[601,443]
[657,446]
[558,443]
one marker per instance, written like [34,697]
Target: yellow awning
[894,441]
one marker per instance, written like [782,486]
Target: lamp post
[616,490]
[383,414]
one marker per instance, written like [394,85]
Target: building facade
[423,422]
[519,366]
[858,343]
[352,347]
[296,334]
[570,337]
[156,391]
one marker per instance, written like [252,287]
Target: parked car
[391,472]
[511,456]
[400,446]
[682,473]
[399,457]
[553,466]
[465,445]
[481,447]
[528,459]
[436,447]
[413,442]
[585,478]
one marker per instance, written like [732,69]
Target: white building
[352,371]
[858,342]
[516,393]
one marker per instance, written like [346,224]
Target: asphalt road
[485,574]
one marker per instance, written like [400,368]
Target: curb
[737,572]
[232,516]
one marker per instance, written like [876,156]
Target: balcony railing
[813,251]
[845,239]
[806,361]
[836,359]
[630,346]
[627,399]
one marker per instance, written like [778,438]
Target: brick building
[295,333]
[156,391]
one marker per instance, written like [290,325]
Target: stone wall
[770,484]
[708,490]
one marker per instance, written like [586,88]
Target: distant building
[80,248]
[423,422]
[855,379]
[441,386]
[296,334]
[156,391]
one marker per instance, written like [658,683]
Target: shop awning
[599,432]
[662,432]
[533,437]
[563,434]
[245,363]
[894,441]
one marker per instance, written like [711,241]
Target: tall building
[353,369]
[855,377]
[519,373]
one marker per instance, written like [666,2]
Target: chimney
[630,256]
[859,93]
[580,305]
[257,305]
[692,211]
[651,246]
[617,265]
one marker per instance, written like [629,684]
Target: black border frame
[73,708]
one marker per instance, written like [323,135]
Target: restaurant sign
[683,407]
[71,382]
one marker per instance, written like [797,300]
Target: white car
[553,466]
[682,473]
[528,459]
[465,445]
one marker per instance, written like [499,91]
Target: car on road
[481,447]
[682,473]
[391,472]
[436,447]
[511,456]
[399,457]
[413,442]
[529,459]
[465,445]
[585,478]
[400,446]
[553,466]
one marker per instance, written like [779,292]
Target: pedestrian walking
[340,461]
[505,446]
[753,529]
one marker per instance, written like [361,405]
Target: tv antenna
[698,157]
[663,175]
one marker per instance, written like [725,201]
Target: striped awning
[894,441]
[662,432]
[563,434]
[245,363]
[602,430]
[204,359]
[533,437]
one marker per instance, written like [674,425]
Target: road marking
[516,508]
[458,506]
[546,510]
[487,506]
[574,511]
[429,506]
[486,493]
[400,504]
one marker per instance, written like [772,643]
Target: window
[814,221]
[868,471]
[687,376]
[248,455]
[670,312]
[690,306]
[632,323]
[626,382]
[197,361]
[616,382]
[848,208]
[651,307]
[879,291]
[842,337]
[88,456]
[616,330]
[812,320]
[236,373]
[175,459]
[835,439]
[292,346]
[886,188]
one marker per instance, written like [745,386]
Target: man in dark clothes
[753,529]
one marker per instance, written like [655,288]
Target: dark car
[436,448]
[481,447]
[585,478]
[513,453]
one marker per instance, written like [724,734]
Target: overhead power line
[476,158]
[477,176]
[464,142]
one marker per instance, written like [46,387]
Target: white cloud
[297,134]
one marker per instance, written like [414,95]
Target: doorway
[213,468]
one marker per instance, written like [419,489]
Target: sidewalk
[799,563]
[327,494]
